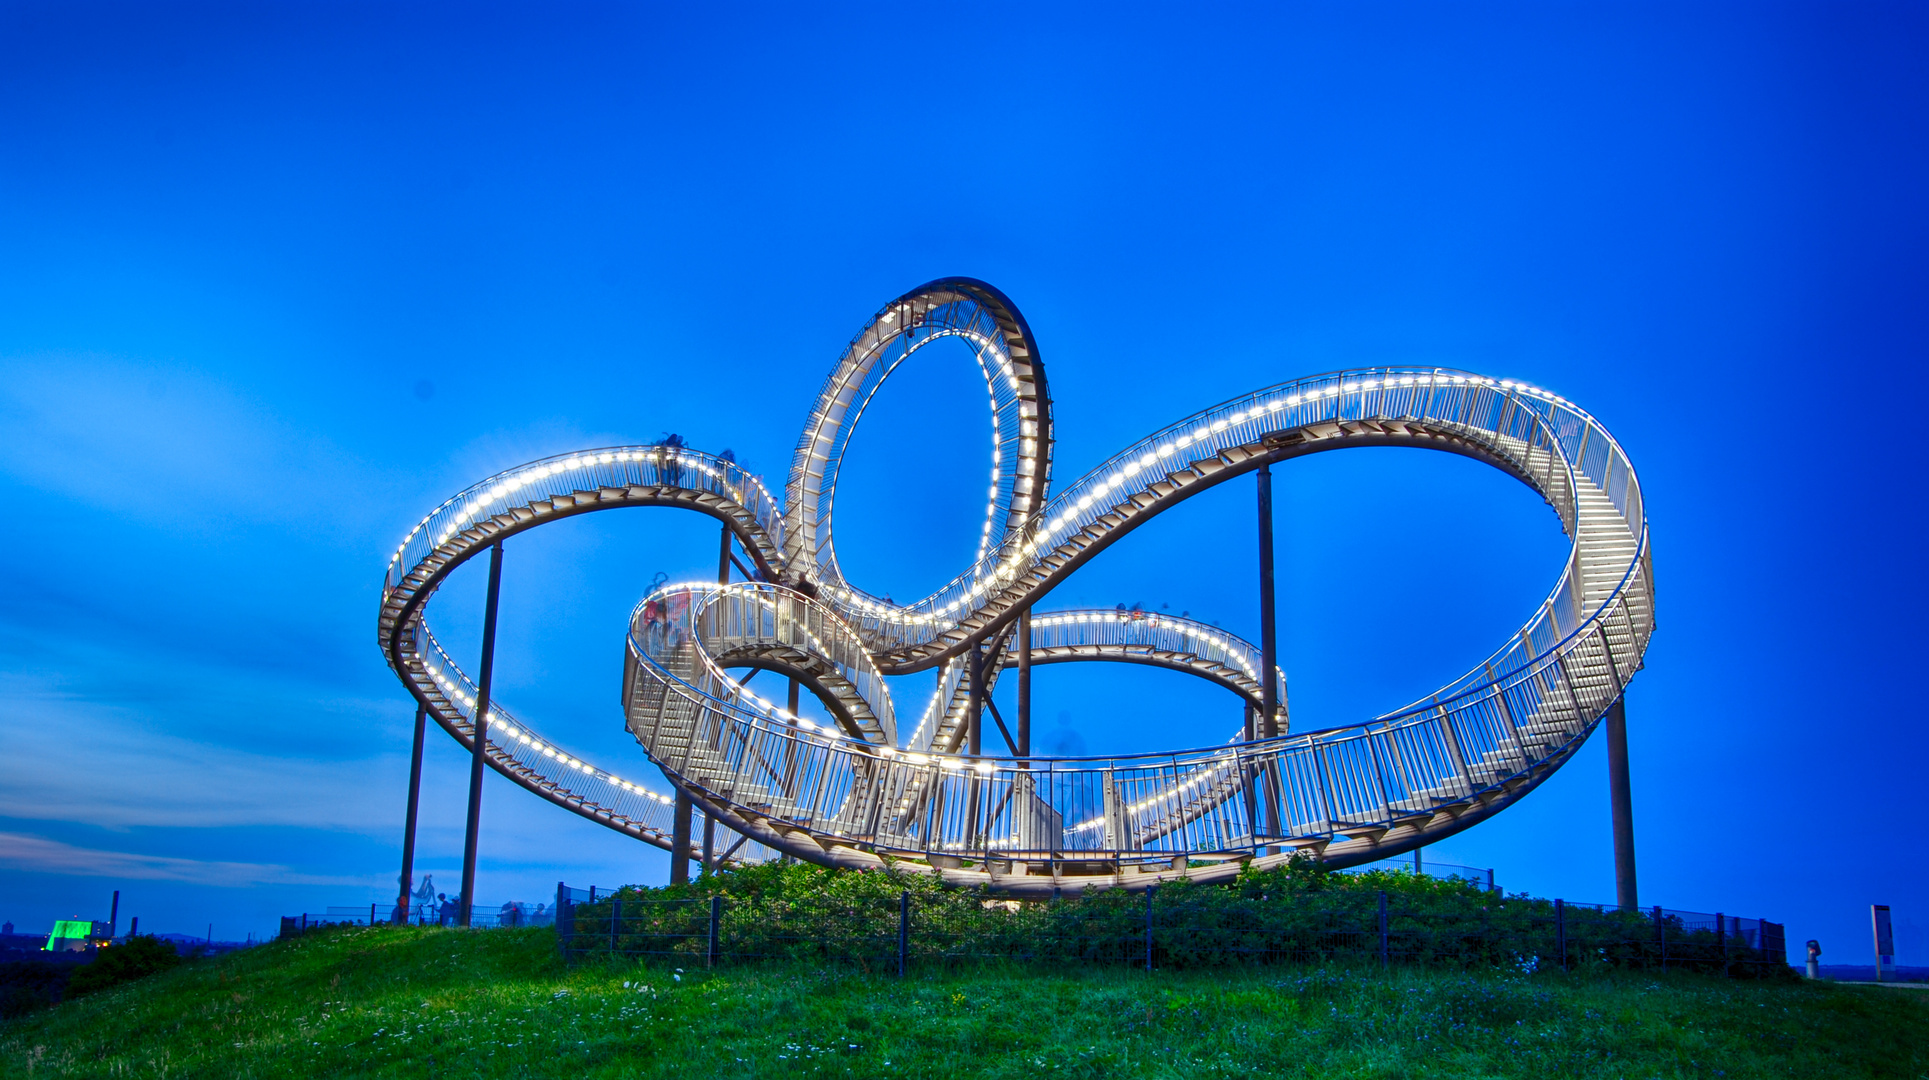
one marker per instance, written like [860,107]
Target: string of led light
[1041,543]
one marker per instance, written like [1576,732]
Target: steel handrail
[1064,517]
[1473,746]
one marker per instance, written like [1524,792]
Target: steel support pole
[1268,630]
[974,739]
[975,702]
[681,872]
[1268,643]
[680,840]
[1622,798]
[408,826]
[1251,800]
[480,733]
[683,804]
[1024,683]
[790,744]
[709,843]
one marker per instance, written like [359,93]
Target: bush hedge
[1299,912]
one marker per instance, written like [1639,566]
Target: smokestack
[114,916]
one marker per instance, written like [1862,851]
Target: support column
[480,733]
[1622,798]
[709,844]
[680,840]
[1268,630]
[680,848]
[408,827]
[1268,646]
[790,744]
[1251,800]
[1024,684]
[974,740]
[975,703]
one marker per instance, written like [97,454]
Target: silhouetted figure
[671,461]
[423,895]
[676,615]
[653,626]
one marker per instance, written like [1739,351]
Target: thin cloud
[22,851]
[81,761]
[175,449]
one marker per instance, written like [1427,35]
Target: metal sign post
[1885,940]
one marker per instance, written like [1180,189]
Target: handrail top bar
[852,789]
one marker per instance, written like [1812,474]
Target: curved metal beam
[1349,794]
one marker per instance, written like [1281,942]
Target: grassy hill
[450,1003]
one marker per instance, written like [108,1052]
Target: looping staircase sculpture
[862,791]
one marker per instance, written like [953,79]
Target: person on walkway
[653,626]
[672,464]
[424,897]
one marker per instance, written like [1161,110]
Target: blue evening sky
[275,279]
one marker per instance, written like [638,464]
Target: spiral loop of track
[867,788]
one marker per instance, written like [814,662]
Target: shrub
[136,958]
[1300,912]
[29,985]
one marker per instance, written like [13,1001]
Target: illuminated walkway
[870,786]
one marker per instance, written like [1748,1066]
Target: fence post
[1560,932]
[904,931]
[714,952]
[371,914]
[304,924]
[1778,948]
[1148,927]
[560,921]
[1721,942]
[1383,957]
[616,915]
[1661,936]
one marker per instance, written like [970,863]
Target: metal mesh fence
[512,914]
[1164,929]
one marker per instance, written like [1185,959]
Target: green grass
[452,1003]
